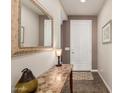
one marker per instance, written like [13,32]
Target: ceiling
[29,4]
[75,7]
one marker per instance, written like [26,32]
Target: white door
[81,44]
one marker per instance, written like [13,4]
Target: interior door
[81,44]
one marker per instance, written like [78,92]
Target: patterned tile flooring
[87,86]
[90,86]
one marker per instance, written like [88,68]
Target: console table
[56,80]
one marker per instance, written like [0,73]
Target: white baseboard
[94,70]
[105,82]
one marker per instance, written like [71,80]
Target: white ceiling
[30,5]
[75,7]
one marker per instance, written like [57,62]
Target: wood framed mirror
[32,27]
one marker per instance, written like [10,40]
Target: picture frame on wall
[107,33]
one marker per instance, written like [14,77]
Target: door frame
[90,40]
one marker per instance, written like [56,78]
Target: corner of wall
[104,51]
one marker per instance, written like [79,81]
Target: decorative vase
[27,82]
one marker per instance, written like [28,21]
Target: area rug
[82,76]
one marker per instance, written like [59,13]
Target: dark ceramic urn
[27,82]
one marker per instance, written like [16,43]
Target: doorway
[81,44]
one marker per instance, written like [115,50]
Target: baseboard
[94,70]
[109,89]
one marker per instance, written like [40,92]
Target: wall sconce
[58,54]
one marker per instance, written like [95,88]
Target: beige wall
[105,50]
[39,62]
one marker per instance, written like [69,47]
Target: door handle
[72,52]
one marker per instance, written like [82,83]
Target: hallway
[62,37]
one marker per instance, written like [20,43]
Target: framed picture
[107,33]
[22,34]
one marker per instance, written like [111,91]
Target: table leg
[71,82]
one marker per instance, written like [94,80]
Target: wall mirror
[32,27]
[36,26]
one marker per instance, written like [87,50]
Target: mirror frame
[16,27]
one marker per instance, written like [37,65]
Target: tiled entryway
[95,85]
[90,86]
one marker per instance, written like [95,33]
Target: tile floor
[88,86]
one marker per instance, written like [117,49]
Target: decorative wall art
[107,33]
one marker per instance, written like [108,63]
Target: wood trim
[82,17]
[15,20]
[71,82]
